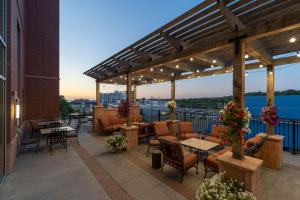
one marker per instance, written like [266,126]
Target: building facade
[31,80]
[112,98]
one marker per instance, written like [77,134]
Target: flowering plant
[116,143]
[171,104]
[221,188]
[269,115]
[123,108]
[237,120]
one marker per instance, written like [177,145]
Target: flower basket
[171,106]
[269,115]
[237,120]
[116,143]
[221,188]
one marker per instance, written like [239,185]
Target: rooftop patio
[88,171]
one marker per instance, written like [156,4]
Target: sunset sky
[91,31]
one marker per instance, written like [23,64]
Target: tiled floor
[89,172]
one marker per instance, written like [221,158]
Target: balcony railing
[202,123]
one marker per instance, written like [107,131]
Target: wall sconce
[17,107]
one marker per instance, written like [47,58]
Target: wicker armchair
[175,156]
[186,131]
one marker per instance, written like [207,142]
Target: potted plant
[123,110]
[221,188]
[171,106]
[116,143]
[237,120]
[269,117]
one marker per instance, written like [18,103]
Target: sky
[93,30]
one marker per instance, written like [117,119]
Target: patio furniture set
[55,132]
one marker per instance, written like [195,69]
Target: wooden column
[270,93]
[134,94]
[97,93]
[239,71]
[173,92]
[129,96]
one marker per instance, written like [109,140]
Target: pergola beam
[255,49]
[172,41]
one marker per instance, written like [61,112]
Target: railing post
[158,115]
[294,137]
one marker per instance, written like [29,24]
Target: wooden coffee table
[201,146]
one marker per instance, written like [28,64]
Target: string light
[161,70]
[212,66]
[172,74]
[191,59]
[261,66]
[151,69]
[177,66]
[292,39]
[270,73]
[214,61]
[142,76]
[214,74]
[246,56]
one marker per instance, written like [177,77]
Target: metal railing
[202,123]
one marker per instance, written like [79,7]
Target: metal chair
[58,136]
[28,141]
[74,134]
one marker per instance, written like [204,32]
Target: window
[2,87]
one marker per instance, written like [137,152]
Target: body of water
[288,106]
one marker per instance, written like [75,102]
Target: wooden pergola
[214,37]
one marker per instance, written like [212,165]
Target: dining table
[46,131]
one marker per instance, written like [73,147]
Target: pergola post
[173,90]
[270,93]
[239,72]
[97,93]
[134,94]
[129,95]
[239,87]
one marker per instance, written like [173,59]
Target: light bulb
[261,66]
[246,56]
[292,39]
[214,61]
[191,59]
[177,66]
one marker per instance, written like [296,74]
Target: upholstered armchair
[175,156]
[186,131]
[251,148]
[216,133]
[161,131]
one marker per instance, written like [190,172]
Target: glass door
[2,87]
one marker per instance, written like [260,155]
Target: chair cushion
[213,139]
[218,130]
[211,160]
[185,136]
[189,159]
[122,120]
[168,137]
[252,141]
[161,129]
[154,142]
[185,127]
[104,122]
[113,119]
[137,118]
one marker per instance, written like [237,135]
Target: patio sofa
[175,156]
[113,123]
[216,133]
[186,131]
[251,147]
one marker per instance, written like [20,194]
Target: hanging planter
[269,116]
[237,120]
[172,107]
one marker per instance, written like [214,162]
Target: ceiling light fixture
[292,39]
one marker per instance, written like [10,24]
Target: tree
[64,107]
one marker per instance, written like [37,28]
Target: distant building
[112,98]
[83,105]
